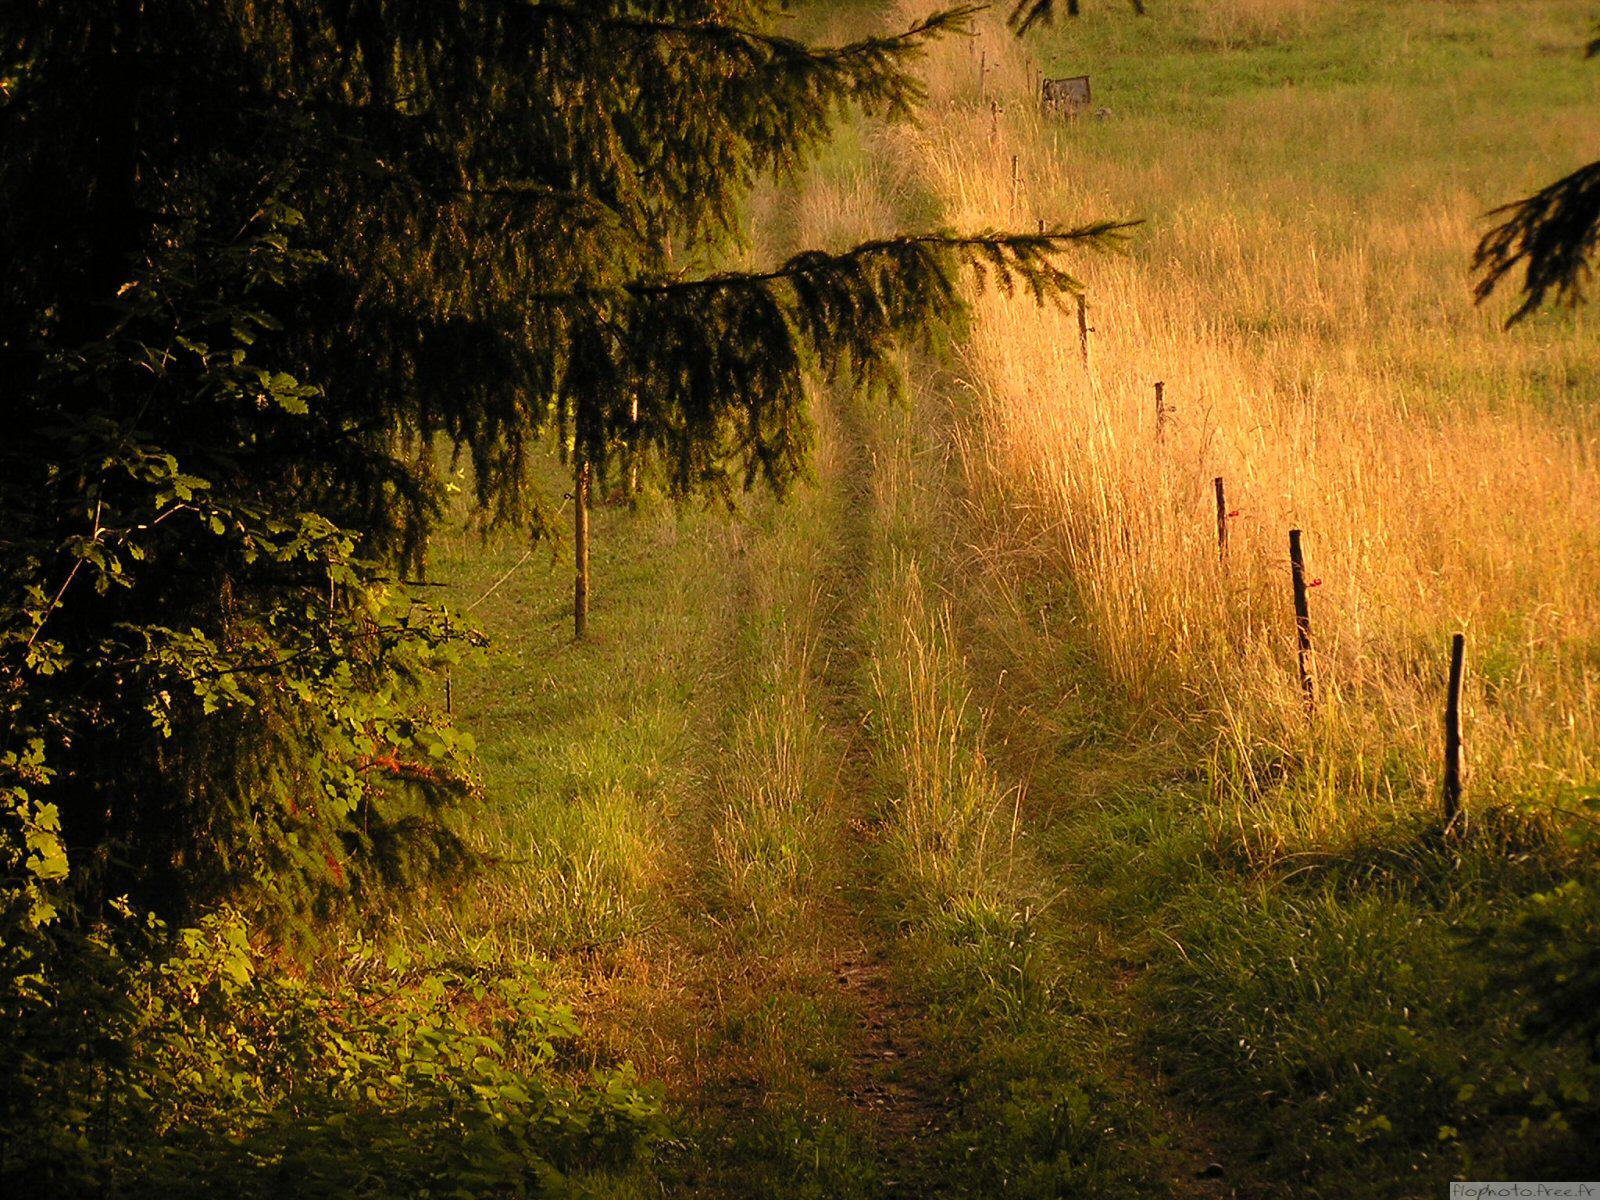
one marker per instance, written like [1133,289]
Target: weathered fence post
[449,691]
[580,545]
[1452,731]
[1302,618]
[1161,411]
[1015,186]
[1222,520]
[1083,328]
[633,446]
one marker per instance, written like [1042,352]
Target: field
[956,826]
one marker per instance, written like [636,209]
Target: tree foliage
[272,267]
[174,1065]
[1551,235]
[1027,13]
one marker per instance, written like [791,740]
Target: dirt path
[793,1054]
[784,1005]
[893,1083]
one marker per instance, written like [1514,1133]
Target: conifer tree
[271,267]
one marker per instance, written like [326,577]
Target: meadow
[957,826]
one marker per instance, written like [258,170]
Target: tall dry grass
[1302,293]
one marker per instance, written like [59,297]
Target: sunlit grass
[1301,291]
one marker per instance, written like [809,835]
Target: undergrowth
[156,1062]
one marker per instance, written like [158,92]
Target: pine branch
[712,371]
[513,35]
[684,114]
[1028,13]
[710,34]
[1552,235]
[1020,255]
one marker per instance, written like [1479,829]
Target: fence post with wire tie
[1302,619]
[1083,328]
[1222,521]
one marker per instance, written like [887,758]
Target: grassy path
[753,824]
[687,796]
[754,831]
[850,825]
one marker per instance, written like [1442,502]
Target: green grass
[656,809]
[1342,1022]
[801,728]
[1185,69]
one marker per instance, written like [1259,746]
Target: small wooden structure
[1068,97]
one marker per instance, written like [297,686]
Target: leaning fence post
[1222,520]
[1452,731]
[1302,618]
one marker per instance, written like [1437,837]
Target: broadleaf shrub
[157,1062]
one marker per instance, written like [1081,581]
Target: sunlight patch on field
[1301,290]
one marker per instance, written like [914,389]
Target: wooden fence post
[1222,520]
[1083,328]
[1452,731]
[449,691]
[580,545]
[1015,186]
[633,446]
[1302,618]
[1161,411]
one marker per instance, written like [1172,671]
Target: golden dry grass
[1302,292]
